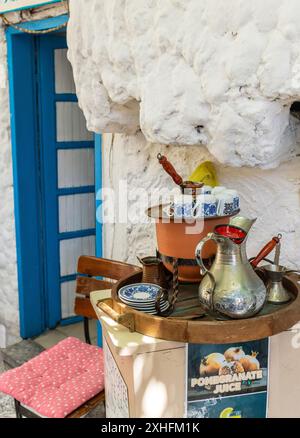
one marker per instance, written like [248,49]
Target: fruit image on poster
[245,406]
[217,372]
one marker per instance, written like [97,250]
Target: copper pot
[178,239]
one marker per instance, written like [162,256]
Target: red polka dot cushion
[59,380]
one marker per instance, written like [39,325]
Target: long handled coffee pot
[231,287]
[187,187]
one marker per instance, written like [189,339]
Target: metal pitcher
[231,287]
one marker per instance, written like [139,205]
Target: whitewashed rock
[191,72]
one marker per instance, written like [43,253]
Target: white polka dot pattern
[59,380]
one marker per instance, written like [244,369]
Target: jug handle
[203,269]
[198,252]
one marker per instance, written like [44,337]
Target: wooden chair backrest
[99,267]
[90,267]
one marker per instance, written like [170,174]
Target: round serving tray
[273,319]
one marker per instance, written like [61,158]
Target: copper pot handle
[169,168]
[266,250]
[125,319]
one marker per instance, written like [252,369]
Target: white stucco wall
[191,72]
[9,314]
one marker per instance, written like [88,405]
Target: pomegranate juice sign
[226,381]
[13,5]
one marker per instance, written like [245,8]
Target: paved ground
[6,403]
[47,340]
[52,337]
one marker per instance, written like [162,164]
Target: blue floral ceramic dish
[139,293]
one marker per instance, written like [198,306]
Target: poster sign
[14,5]
[228,380]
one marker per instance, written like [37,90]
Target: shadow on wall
[295,110]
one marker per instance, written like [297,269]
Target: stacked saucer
[142,297]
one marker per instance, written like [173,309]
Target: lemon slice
[226,413]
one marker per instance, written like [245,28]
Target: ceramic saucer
[143,304]
[152,308]
[146,307]
[153,311]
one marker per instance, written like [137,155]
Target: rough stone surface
[17,354]
[270,195]
[7,409]
[191,72]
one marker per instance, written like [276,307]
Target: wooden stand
[190,324]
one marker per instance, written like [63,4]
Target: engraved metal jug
[231,288]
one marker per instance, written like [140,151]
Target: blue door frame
[99,226]
[33,302]
[49,163]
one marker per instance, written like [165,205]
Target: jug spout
[243,222]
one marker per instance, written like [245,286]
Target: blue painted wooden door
[67,179]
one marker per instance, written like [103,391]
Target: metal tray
[189,323]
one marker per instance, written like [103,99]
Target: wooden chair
[89,270]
